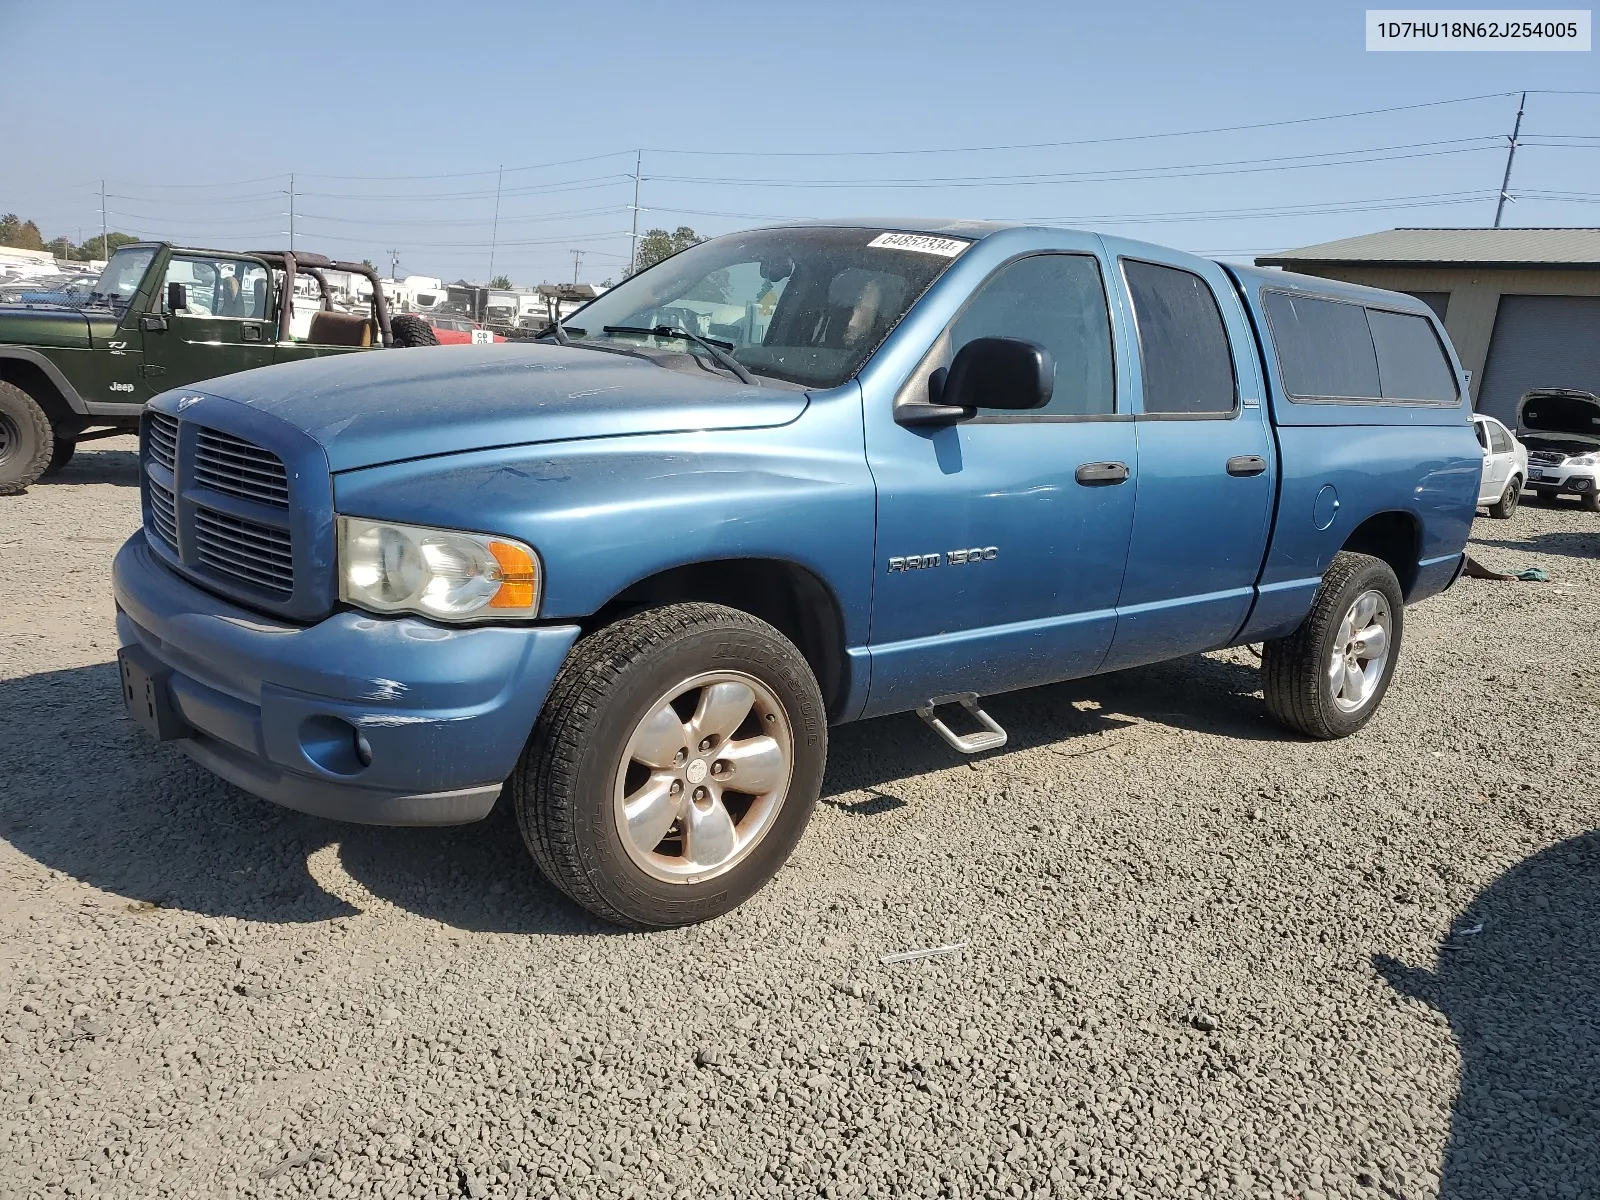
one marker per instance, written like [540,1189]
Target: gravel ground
[1200,957]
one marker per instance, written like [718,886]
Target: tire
[1300,688]
[26,440]
[614,695]
[1590,501]
[59,457]
[1507,504]
[410,330]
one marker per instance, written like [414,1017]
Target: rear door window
[1183,344]
[1324,347]
[1411,363]
[1499,439]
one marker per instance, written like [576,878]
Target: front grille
[1547,458]
[258,556]
[164,440]
[163,514]
[229,464]
[218,506]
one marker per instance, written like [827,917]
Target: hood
[388,405]
[1570,418]
[23,326]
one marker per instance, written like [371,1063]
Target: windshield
[121,277]
[808,306]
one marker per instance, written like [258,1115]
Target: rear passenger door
[1206,465]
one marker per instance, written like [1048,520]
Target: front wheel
[1507,504]
[1590,501]
[674,766]
[26,440]
[1328,677]
[60,456]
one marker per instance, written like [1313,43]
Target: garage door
[1540,342]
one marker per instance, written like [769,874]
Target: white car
[1505,467]
[1562,428]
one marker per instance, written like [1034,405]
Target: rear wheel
[410,330]
[674,766]
[1507,504]
[26,440]
[1328,677]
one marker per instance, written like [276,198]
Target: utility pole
[291,212]
[1511,154]
[494,234]
[633,254]
[577,260]
[394,265]
[103,235]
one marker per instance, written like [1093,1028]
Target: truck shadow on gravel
[1522,995]
[86,793]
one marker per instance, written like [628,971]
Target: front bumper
[359,718]
[1561,481]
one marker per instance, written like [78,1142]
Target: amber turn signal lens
[519,576]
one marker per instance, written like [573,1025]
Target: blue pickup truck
[629,574]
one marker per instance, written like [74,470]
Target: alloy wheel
[703,776]
[1360,651]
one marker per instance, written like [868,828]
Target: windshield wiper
[717,350]
[553,330]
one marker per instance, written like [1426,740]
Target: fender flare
[68,393]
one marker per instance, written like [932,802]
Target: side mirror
[177,297]
[1000,372]
[991,372]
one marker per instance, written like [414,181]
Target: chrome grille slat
[163,514]
[239,468]
[163,439]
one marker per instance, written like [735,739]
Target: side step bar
[991,737]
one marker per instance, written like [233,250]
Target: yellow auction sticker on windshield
[922,243]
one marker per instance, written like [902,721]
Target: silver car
[1505,467]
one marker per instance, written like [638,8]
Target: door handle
[1247,464]
[1101,473]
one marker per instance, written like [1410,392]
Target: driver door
[221,326]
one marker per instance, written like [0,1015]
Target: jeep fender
[68,393]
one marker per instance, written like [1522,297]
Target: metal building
[1522,305]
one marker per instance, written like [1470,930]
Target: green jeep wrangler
[162,316]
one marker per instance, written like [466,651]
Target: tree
[367,263]
[24,235]
[113,242]
[503,282]
[658,244]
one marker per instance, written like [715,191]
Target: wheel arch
[43,380]
[791,598]
[1395,537]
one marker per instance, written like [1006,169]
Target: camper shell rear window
[1340,352]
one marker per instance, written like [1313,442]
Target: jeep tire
[60,456]
[1507,504]
[26,440]
[1328,677]
[627,793]
[411,330]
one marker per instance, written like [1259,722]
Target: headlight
[440,573]
[1583,460]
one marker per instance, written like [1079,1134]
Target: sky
[400,121]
